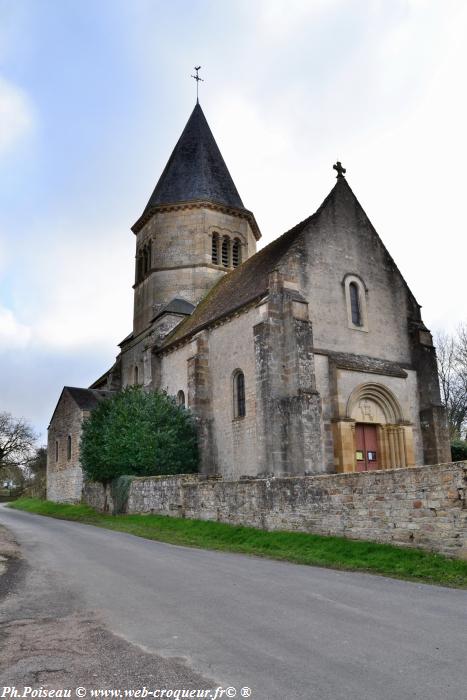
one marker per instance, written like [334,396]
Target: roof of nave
[196,171]
[250,281]
[240,287]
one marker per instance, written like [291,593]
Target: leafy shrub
[458,450]
[138,433]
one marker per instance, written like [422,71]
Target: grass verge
[298,547]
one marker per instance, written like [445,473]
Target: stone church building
[308,356]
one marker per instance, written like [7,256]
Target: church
[309,356]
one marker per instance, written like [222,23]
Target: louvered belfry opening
[236,253]
[225,251]
[215,249]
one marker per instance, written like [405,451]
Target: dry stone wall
[420,506]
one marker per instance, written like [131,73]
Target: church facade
[309,356]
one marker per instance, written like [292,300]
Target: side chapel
[308,356]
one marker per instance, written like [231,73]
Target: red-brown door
[367,447]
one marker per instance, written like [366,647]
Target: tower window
[139,267]
[215,249]
[68,447]
[136,374]
[149,257]
[181,398]
[143,262]
[355,304]
[239,394]
[225,251]
[56,450]
[236,253]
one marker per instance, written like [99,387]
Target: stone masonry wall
[64,475]
[423,507]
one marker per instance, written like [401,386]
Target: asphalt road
[287,631]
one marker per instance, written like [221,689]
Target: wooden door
[367,454]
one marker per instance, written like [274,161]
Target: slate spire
[196,171]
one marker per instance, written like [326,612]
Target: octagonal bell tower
[194,228]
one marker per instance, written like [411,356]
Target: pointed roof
[196,171]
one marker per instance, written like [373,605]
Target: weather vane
[197,78]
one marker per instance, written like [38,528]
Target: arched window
[136,374]
[239,394]
[355,304]
[68,447]
[225,251]
[56,450]
[139,267]
[181,398]
[356,301]
[149,256]
[236,253]
[215,249]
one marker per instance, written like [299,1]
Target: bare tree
[451,351]
[17,440]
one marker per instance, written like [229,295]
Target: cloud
[13,334]
[82,288]
[16,115]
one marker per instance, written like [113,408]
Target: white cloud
[13,334]
[280,19]
[16,115]
[83,296]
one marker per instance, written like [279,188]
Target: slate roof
[196,171]
[176,306]
[87,399]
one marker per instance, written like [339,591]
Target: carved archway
[374,395]
[374,404]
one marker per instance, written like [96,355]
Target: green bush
[458,450]
[138,433]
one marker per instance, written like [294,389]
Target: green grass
[298,547]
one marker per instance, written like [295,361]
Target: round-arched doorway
[373,434]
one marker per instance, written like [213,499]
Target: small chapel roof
[85,399]
[196,171]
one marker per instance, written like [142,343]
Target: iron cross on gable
[197,78]
[340,169]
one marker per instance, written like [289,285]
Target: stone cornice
[240,213]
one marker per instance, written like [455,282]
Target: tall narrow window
[215,249]
[225,251]
[355,304]
[181,398]
[56,450]
[136,375]
[139,267]
[149,257]
[239,394]
[68,447]
[236,253]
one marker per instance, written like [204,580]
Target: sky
[94,95]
